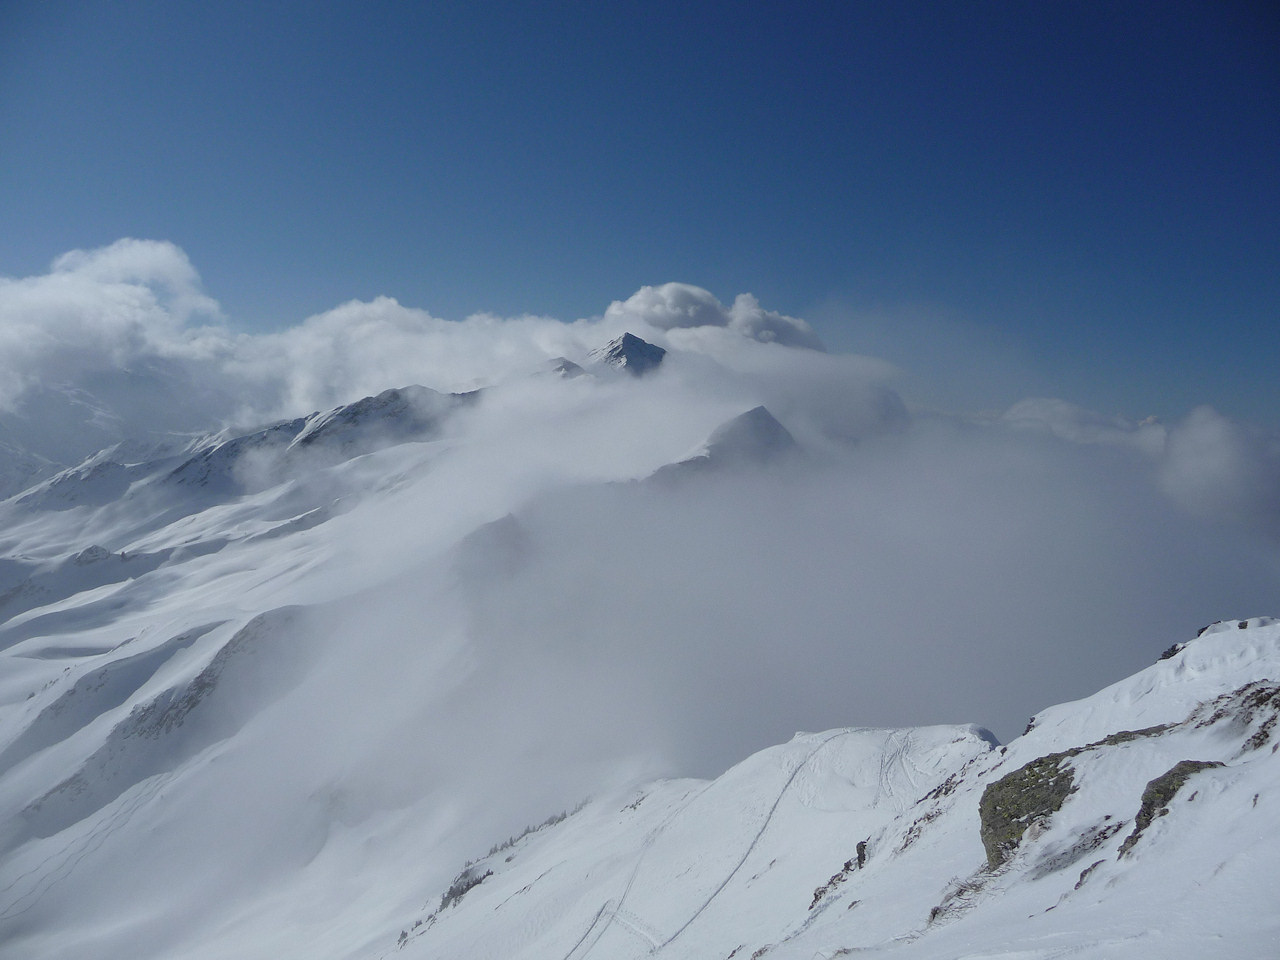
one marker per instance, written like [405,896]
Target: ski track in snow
[645,847]
[895,753]
[759,833]
[641,929]
[587,933]
[75,851]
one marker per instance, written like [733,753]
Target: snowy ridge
[148,500]
[1225,656]
[264,458]
[155,735]
[231,462]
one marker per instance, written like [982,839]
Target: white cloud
[360,348]
[1224,470]
[674,306]
[158,267]
[939,572]
[103,309]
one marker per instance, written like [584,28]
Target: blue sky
[1078,199]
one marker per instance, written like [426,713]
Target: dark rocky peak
[630,353]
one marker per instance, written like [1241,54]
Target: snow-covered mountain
[637,357]
[297,690]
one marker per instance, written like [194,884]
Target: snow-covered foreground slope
[871,842]
[265,693]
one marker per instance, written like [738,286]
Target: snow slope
[868,842]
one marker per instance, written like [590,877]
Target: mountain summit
[630,353]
